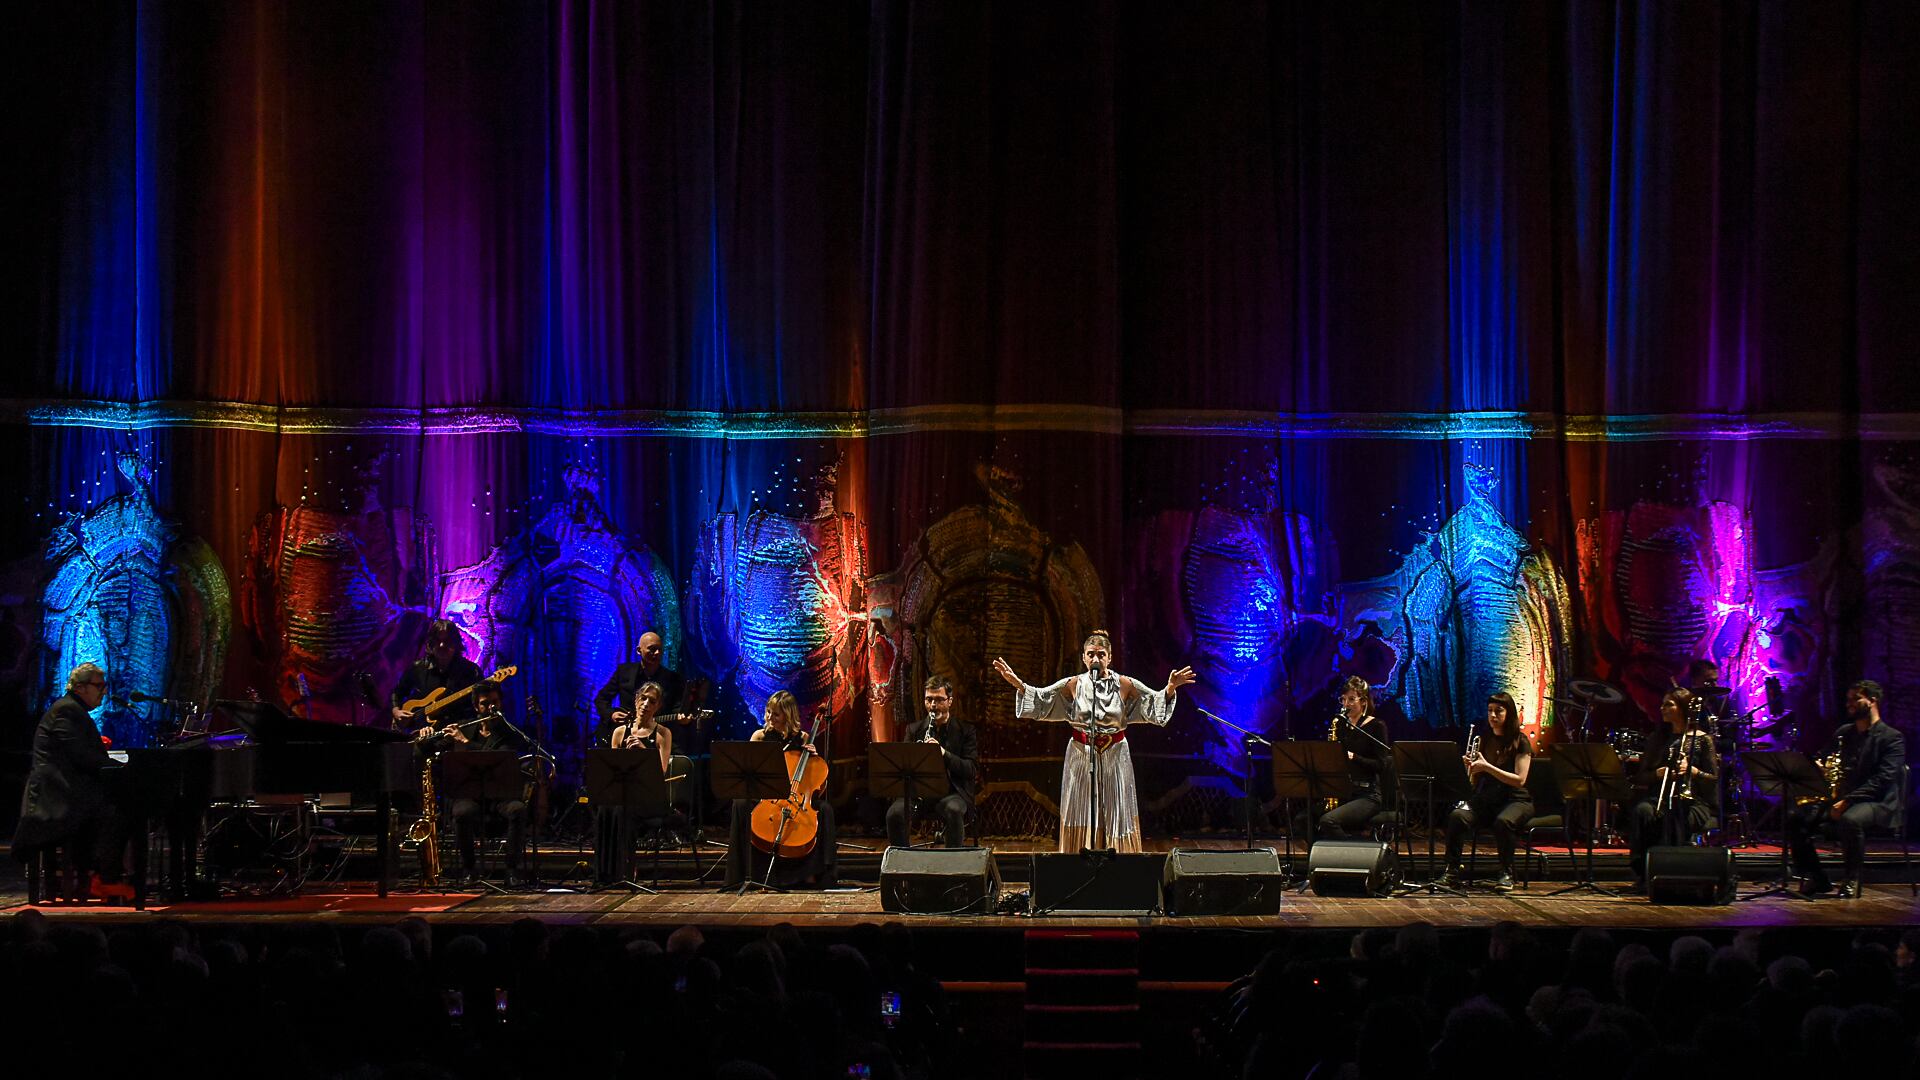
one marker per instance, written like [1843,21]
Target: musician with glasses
[1872,756]
[1678,771]
[487,731]
[959,752]
[67,801]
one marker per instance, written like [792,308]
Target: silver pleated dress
[1109,704]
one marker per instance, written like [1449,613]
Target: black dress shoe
[1816,887]
[1850,889]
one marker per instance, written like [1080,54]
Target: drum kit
[1731,735]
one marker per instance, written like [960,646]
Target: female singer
[1695,778]
[1500,798]
[780,724]
[1106,703]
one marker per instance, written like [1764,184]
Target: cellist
[780,723]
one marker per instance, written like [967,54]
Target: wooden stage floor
[1883,905]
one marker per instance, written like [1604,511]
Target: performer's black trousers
[1808,822]
[1348,821]
[952,811]
[1504,815]
[1644,828]
[469,815]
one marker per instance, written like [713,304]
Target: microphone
[134,696]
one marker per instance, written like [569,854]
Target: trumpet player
[1498,767]
[1865,793]
[1679,772]
[958,750]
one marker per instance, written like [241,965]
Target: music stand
[629,781]
[901,770]
[1312,771]
[484,776]
[1786,775]
[1435,768]
[752,771]
[1590,771]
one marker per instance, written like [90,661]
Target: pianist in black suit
[958,748]
[613,703]
[470,815]
[443,667]
[67,801]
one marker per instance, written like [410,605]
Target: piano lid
[267,724]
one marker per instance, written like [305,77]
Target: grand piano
[271,754]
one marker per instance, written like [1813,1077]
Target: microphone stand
[533,823]
[1249,740]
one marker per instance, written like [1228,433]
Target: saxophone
[1829,768]
[425,830]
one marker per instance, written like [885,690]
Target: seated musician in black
[66,802]
[1498,771]
[781,725]
[959,752]
[617,828]
[1872,755]
[1369,767]
[612,703]
[1695,770]
[443,667]
[485,732]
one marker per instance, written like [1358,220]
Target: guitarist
[613,703]
[443,667]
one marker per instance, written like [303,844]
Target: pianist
[67,803]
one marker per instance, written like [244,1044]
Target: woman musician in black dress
[1497,763]
[780,724]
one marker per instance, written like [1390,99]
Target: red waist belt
[1100,742]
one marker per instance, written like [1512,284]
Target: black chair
[1549,816]
[1899,828]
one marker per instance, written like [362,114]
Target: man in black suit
[66,801]
[613,704]
[1872,754]
[442,668]
[959,748]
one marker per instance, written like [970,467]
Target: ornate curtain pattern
[1229,290]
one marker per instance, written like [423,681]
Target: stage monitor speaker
[1350,868]
[1216,883]
[939,881]
[1096,884]
[1690,875]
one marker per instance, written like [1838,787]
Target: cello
[789,827]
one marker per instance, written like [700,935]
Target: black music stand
[752,771]
[1786,775]
[1435,768]
[901,770]
[1312,771]
[485,776]
[629,781]
[1589,771]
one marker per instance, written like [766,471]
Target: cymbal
[1711,691]
[1594,690]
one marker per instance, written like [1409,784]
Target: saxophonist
[1871,755]
[1678,771]
[1369,750]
